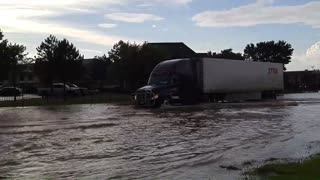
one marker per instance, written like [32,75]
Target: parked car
[84,91]
[58,90]
[10,91]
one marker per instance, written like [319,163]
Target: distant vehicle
[83,91]
[10,91]
[111,88]
[189,81]
[58,89]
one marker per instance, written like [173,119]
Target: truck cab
[170,82]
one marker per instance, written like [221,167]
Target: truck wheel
[158,103]
[167,101]
[189,100]
[269,95]
[212,98]
[221,97]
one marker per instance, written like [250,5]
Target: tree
[226,54]
[10,56]
[122,55]
[58,60]
[45,60]
[1,35]
[132,63]
[98,69]
[270,51]
[68,62]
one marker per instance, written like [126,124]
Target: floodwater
[121,142]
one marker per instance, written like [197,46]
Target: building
[23,77]
[175,50]
[301,81]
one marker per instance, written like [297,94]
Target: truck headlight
[156,96]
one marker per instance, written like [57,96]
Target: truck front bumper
[146,99]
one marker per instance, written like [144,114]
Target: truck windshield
[160,78]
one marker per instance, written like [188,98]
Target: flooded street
[121,142]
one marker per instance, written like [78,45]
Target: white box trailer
[237,76]
[191,80]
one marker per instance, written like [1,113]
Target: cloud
[165,29]
[35,17]
[261,12]
[92,51]
[314,51]
[107,25]
[182,1]
[56,7]
[22,22]
[307,60]
[77,34]
[145,5]
[133,17]
[150,3]
[177,2]
[21,16]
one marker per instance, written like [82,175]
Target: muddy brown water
[121,142]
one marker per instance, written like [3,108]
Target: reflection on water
[106,141]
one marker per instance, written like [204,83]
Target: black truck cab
[171,82]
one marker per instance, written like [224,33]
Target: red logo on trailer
[273,71]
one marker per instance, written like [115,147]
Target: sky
[204,25]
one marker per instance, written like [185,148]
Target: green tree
[68,61]
[132,63]
[148,56]
[45,61]
[122,55]
[58,60]
[270,51]
[226,54]
[98,69]
[10,56]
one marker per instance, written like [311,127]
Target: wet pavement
[121,142]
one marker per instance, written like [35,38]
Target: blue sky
[95,25]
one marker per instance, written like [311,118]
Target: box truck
[190,81]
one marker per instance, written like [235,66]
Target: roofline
[173,43]
[165,43]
